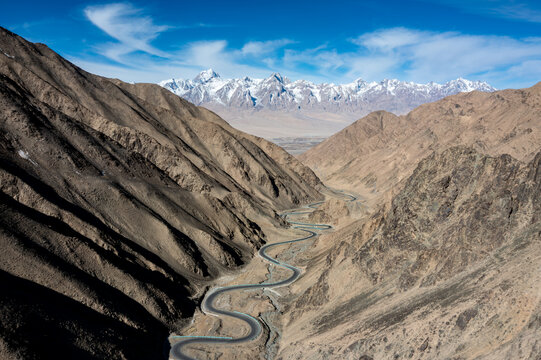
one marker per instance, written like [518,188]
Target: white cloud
[206,53]
[373,68]
[135,31]
[407,54]
[425,56]
[388,39]
[150,72]
[519,12]
[258,48]
[126,24]
[325,63]
[422,56]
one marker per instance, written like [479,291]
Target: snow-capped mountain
[279,93]
[277,107]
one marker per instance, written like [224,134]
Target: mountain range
[378,151]
[265,107]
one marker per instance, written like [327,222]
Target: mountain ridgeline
[444,261]
[379,152]
[279,93]
[119,204]
[278,107]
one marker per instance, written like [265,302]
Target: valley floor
[297,145]
[265,304]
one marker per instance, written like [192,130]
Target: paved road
[254,325]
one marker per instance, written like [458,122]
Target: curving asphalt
[254,325]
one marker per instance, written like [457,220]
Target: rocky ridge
[120,204]
[379,151]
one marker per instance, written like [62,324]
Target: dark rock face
[50,325]
[424,345]
[119,204]
[464,318]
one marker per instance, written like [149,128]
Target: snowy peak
[206,76]
[464,85]
[276,77]
[277,92]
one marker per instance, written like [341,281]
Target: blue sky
[327,41]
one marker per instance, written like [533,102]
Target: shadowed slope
[124,201]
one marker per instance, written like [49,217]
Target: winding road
[254,325]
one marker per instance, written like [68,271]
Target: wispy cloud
[435,56]
[512,10]
[258,48]
[134,32]
[125,23]
[388,39]
[518,12]
[416,55]
[407,54]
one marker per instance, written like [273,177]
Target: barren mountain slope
[119,204]
[451,269]
[376,152]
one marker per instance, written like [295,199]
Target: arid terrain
[438,258]
[123,205]
[449,269]
[445,262]
[378,152]
[120,204]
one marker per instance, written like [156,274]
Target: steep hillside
[120,203]
[377,152]
[449,270]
